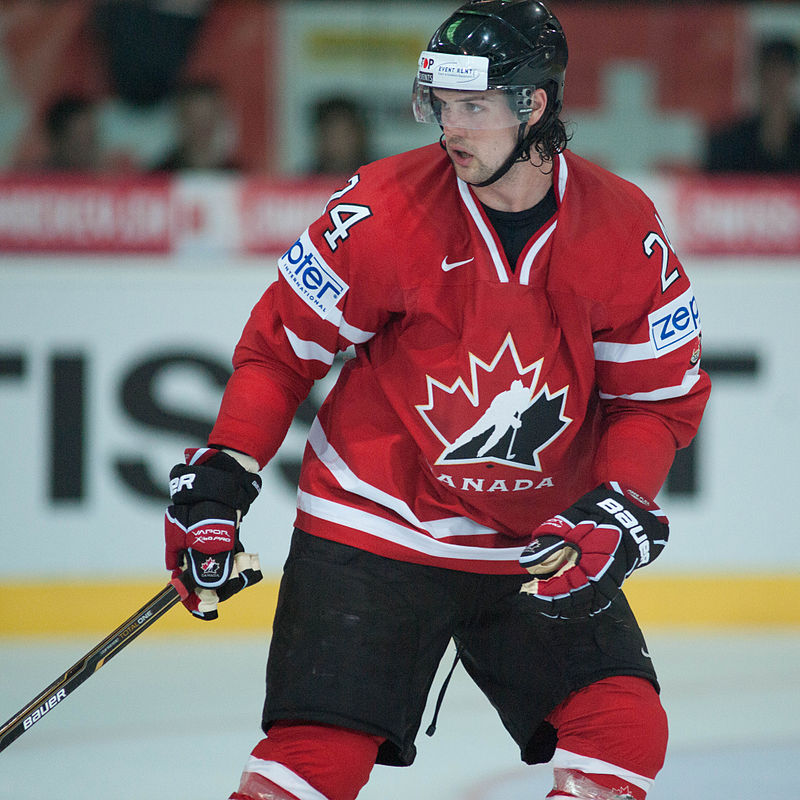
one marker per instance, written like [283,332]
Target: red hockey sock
[613,734]
[309,762]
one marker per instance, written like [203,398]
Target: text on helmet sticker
[453,71]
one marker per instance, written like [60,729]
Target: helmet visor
[489,109]
[454,91]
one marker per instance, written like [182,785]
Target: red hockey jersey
[481,400]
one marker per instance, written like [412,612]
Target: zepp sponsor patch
[674,324]
[313,280]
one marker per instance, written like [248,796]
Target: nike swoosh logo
[446,267]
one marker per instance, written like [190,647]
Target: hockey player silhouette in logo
[502,415]
[513,428]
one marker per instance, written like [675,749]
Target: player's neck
[521,188]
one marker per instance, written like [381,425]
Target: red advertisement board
[738,216]
[68,215]
[254,217]
[273,214]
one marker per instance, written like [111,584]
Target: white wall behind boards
[92,352]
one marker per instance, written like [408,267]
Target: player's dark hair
[549,136]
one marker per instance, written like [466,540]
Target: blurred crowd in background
[160,86]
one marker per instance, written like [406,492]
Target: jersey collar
[473,208]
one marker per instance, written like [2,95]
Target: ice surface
[175,718]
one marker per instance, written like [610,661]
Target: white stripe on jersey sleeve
[311,351]
[621,353]
[308,351]
[348,331]
[348,480]
[665,393]
[670,326]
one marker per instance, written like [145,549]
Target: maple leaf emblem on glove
[210,567]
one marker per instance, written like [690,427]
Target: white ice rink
[174,719]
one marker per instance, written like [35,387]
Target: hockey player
[527,361]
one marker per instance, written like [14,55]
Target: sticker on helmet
[453,71]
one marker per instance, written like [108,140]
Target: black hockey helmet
[512,45]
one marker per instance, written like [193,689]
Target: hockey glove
[210,493]
[582,556]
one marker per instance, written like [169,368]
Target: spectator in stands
[768,140]
[72,135]
[341,136]
[206,133]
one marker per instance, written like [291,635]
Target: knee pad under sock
[612,734]
[310,762]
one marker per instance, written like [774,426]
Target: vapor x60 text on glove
[210,494]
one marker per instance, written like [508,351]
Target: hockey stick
[82,670]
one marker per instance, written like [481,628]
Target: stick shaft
[83,669]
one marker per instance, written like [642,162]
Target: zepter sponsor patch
[311,278]
[674,324]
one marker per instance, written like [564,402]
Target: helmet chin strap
[518,154]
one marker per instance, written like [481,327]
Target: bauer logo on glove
[631,523]
[581,557]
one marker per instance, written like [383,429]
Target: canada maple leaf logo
[500,415]
[210,567]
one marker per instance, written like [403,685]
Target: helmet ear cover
[522,100]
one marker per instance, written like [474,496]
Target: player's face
[487,110]
[480,130]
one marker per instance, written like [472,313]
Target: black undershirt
[515,228]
